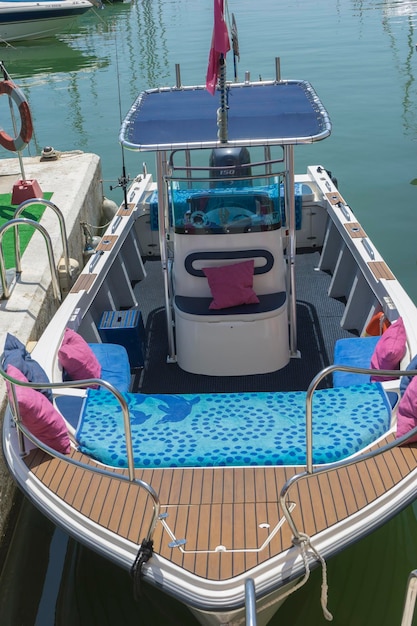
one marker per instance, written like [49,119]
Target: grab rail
[54,274]
[410,599]
[190,171]
[103,472]
[309,471]
[250,602]
[215,168]
[24,205]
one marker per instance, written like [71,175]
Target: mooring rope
[304,542]
[144,554]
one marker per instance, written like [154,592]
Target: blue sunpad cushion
[16,354]
[233,429]
[114,361]
[356,352]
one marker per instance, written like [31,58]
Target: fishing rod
[124,179]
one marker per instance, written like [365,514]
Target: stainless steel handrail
[217,168]
[54,274]
[250,602]
[410,599]
[310,470]
[103,472]
[196,179]
[24,205]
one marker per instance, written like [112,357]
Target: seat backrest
[189,261]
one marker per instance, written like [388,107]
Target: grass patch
[7,209]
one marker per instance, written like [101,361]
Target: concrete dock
[75,180]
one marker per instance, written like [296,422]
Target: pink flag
[219,45]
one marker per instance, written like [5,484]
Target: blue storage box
[125,328]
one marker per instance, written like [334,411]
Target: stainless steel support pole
[290,216]
[277,69]
[163,223]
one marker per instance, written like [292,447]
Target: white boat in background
[231,317]
[24,19]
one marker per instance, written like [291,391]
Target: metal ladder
[15,224]
[410,599]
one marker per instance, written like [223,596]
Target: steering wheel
[225,215]
[198,219]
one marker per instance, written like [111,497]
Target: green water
[360,57]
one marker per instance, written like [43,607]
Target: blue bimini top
[259,114]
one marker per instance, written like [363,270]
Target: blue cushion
[115,366]
[405,380]
[70,407]
[356,352]
[16,354]
[201,430]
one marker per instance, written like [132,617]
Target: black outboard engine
[231,162]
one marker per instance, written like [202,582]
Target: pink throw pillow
[39,415]
[389,350]
[77,358]
[407,411]
[231,285]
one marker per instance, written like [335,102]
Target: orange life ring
[378,325]
[26,128]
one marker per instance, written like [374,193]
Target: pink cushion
[389,350]
[407,411]
[39,415]
[231,285]
[77,358]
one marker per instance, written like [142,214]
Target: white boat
[24,19]
[227,451]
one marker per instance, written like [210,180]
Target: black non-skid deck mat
[318,327]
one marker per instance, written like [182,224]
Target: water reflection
[154,58]
[65,584]
[399,18]
[367,582]
[94,591]
[46,57]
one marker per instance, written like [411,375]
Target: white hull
[30,20]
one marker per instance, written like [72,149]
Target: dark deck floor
[318,328]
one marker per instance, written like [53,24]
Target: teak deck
[234,507]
